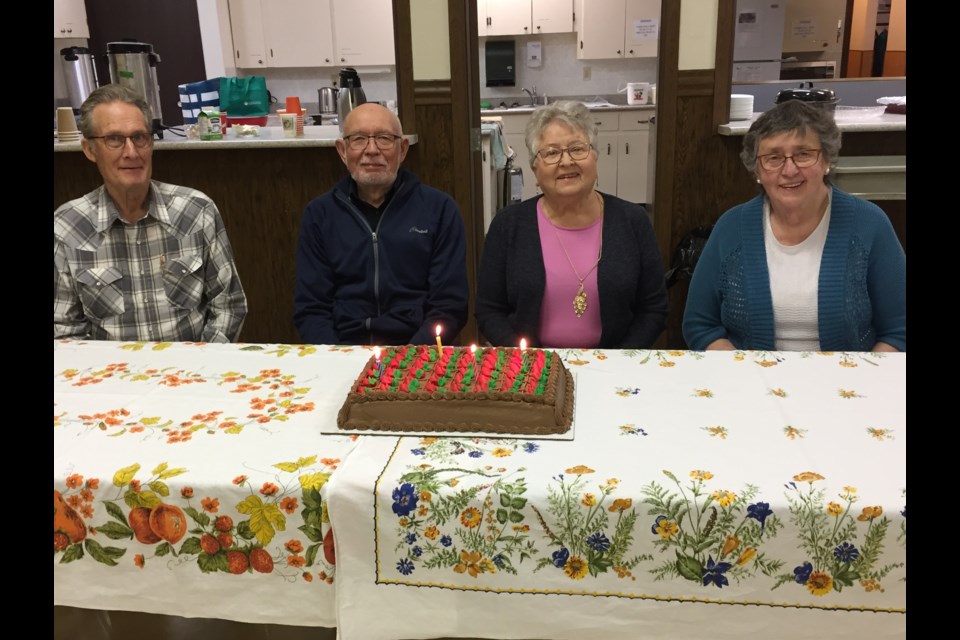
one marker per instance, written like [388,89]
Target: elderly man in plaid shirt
[138,259]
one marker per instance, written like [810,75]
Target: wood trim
[403,54]
[666,124]
[845,50]
[432,92]
[723,60]
[697,82]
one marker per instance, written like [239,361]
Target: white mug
[637,93]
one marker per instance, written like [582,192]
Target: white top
[794,277]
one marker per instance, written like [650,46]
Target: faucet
[532,94]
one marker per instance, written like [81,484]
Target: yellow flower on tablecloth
[767,363]
[848,393]
[731,544]
[576,568]
[780,393]
[725,498]
[469,563]
[849,489]
[847,363]
[747,555]
[739,357]
[486,566]
[422,511]
[425,496]
[869,513]
[620,505]
[588,500]
[880,434]
[667,529]
[403,522]
[502,452]
[703,393]
[820,583]
[470,517]
[871,584]
[717,432]
[793,433]
[807,476]
[834,509]
[579,470]
[431,532]
[428,440]
[667,363]
[699,474]
[453,482]
[675,354]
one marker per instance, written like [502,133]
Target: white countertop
[269,138]
[529,110]
[847,121]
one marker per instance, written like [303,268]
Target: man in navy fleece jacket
[381,257]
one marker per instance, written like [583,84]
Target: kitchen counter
[852,121]
[269,138]
[528,110]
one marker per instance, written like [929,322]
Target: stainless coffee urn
[134,64]
[79,73]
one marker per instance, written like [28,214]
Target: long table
[704,495]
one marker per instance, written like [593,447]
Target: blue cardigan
[861,294]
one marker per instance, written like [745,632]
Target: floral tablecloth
[706,495]
[187,478]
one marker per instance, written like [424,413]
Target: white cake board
[330,427]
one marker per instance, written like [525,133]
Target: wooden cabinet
[363,32]
[300,33]
[623,145]
[617,29]
[70,19]
[523,17]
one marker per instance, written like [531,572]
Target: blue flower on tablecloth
[714,571]
[560,557]
[598,541]
[417,552]
[405,567]
[411,538]
[759,512]
[530,447]
[802,573]
[446,541]
[499,560]
[846,552]
[404,499]
[904,512]
[475,454]
[417,452]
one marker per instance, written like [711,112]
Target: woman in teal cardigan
[804,266]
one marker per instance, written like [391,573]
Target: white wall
[698,34]
[431,40]
[561,74]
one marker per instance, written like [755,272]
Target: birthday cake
[495,390]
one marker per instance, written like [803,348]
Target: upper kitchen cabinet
[523,17]
[246,26]
[281,33]
[363,32]
[70,19]
[617,29]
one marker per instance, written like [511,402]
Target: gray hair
[570,112]
[793,116]
[104,95]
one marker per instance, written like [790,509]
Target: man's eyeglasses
[116,141]
[804,158]
[384,141]
[552,155]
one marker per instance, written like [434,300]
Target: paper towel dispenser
[501,59]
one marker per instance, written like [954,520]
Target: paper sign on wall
[646,29]
[804,28]
[534,54]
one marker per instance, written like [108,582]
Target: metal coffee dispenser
[134,64]
[350,95]
[80,74]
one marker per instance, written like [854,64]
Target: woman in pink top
[572,267]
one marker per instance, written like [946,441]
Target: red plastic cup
[293,104]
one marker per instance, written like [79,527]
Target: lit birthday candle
[523,344]
[376,355]
[439,344]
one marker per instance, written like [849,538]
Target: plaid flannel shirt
[170,276]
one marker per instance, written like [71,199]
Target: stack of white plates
[68,136]
[741,106]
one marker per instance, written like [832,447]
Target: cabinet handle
[238,54]
[608,148]
[71,31]
[628,147]
[343,60]
[259,61]
[326,59]
[538,27]
[271,53]
[631,51]
[619,52]
[63,30]
[525,28]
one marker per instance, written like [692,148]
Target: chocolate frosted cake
[496,390]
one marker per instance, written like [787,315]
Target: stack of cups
[67,125]
[293,106]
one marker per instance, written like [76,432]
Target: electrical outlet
[587,72]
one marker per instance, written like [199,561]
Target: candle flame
[473,349]
[438,330]
[376,353]
[523,344]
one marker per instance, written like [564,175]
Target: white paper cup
[66,122]
[289,123]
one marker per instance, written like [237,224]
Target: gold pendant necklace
[580,300]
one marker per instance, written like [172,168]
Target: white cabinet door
[607,146]
[642,28]
[600,29]
[297,33]
[246,26]
[507,18]
[513,129]
[70,19]
[552,16]
[632,166]
[363,32]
